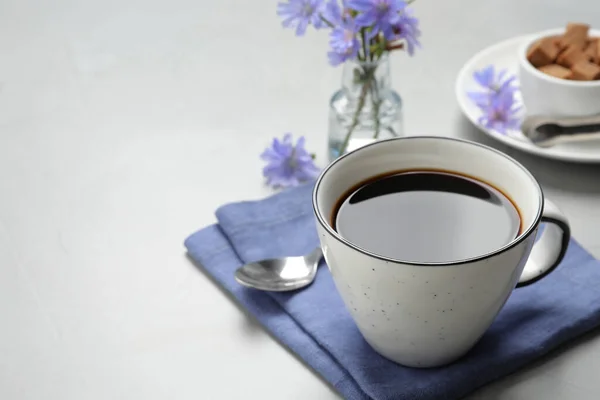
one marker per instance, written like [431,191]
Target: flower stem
[369,78]
[363,93]
[329,24]
[376,106]
[365,46]
[361,103]
[394,46]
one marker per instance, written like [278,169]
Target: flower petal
[333,13]
[481,100]
[300,143]
[301,28]
[366,19]
[485,76]
[360,5]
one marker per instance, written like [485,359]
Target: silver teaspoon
[280,274]
[547,131]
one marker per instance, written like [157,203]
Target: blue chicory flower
[344,42]
[407,28]
[501,113]
[301,13]
[379,14]
[288,164]
[497,101]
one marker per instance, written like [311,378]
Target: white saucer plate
[505,55]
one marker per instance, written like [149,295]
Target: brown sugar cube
[594,47]
[557,71]
[571,56]
[586,71]
[576,35]
[542,53]
[557,40]
[591,50]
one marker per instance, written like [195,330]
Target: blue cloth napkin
[315,325]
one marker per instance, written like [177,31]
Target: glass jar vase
[365,109]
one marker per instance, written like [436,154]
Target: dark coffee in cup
[426,216]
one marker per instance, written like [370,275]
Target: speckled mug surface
[430,314]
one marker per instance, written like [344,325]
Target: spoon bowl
[280,274]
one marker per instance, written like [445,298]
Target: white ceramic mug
[549,96]
[430,314]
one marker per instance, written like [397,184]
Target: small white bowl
[546,95]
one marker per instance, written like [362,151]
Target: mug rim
[513,243]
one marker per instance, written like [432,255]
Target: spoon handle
[592,120]
[581,129]
[546,131]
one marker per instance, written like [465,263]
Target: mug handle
[550,248]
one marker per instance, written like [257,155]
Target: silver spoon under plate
[547,131]
[280,274]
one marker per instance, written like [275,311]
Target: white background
[124,124]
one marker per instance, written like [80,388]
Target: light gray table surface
[125,123]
